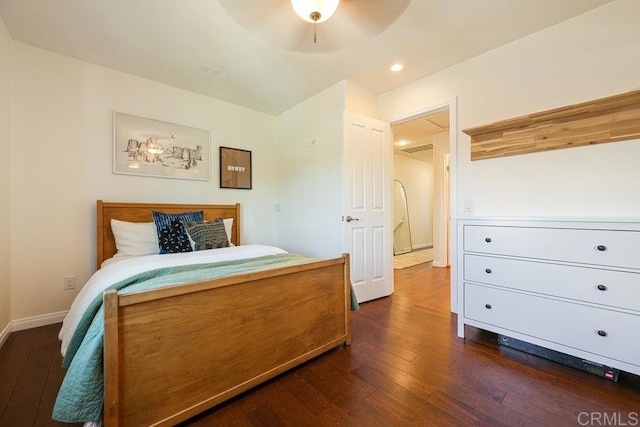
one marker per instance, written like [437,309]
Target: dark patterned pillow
[207,235]
[172,237]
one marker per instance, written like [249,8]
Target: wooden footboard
[172,353]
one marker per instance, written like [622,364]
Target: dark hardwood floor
[405,366]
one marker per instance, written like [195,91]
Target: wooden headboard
[141,212]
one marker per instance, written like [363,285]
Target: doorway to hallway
[421,164]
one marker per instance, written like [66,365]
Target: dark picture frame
[235,168]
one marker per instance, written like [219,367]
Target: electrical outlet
[69,282]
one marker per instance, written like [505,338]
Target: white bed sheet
[119,268]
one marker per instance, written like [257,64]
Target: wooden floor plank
[22,414]
[467,414]
[30,384]
[18,350]
[316,402]
[286,405]
[55,376]
[343,389]
[5,347]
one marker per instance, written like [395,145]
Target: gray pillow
[207,235]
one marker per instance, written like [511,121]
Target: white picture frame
[149,147]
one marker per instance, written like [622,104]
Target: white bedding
[119,268]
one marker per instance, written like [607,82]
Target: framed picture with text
[235,168]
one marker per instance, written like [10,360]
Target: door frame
[452,105]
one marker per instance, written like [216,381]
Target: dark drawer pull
[487,306]
[488,271]
[488,240]
[602,333]
[602,288]
[601,248]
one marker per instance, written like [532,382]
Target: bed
[175,351]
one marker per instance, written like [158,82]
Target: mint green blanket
[81,397]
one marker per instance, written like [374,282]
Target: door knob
[349,219]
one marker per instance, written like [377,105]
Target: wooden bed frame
[174,352]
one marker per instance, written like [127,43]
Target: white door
[368,236]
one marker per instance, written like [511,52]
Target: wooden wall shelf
[611,119]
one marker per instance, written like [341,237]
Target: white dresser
[568,285]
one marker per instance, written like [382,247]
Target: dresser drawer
[616,248]
[606,287]
[598,331]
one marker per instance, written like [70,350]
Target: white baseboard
[421,246]
[37,321]
[5,334]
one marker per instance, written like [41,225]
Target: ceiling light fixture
[396,68]
[402,143]
[315,11]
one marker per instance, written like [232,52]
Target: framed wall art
[235,168]
[154,148]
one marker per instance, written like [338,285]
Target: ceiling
[416,135]
[260,55]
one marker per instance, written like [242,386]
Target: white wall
[61,162]
[590,56]
[360,100]
[310,178]
[417,178]
[5,148]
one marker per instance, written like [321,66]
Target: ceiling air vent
[418,148]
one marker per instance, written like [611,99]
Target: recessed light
[396,68]
[402,143]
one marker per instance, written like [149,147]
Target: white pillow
[135,238]
[228,223]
